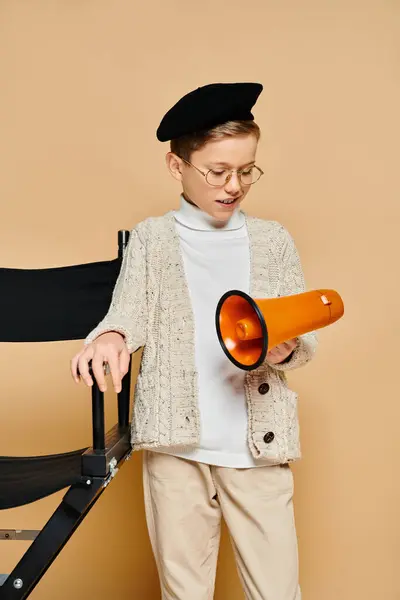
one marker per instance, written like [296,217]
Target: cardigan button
[264,388]
[269,437]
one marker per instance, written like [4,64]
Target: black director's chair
[65,303]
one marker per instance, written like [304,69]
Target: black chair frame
[93,470]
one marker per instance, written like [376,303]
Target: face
[236,152]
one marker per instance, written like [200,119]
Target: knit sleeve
[292,282]
[127,313]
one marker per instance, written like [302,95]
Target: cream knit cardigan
[151,307]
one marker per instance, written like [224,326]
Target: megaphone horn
[247,329]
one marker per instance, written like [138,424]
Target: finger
[83,365]
[124,359]
[115,371]
[277,349]
[74,368]
[278,353]
[285,348]
[290,346]
[98,370]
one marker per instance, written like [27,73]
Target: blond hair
[184,146]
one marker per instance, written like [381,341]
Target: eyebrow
[228,166]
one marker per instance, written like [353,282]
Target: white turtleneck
[216,259]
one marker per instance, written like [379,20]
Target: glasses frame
[228,177]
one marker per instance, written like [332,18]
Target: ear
[174,165]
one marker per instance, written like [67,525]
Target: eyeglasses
[219,178]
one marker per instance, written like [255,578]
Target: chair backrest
[57,304]
[65,303]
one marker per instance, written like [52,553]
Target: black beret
[209,106]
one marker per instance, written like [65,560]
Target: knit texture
[151,307]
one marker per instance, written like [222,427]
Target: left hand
[281,351]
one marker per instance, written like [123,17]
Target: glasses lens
[217,178]
[250,176]
[247,177]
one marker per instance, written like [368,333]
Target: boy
[217,441]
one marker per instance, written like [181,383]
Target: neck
[194,217]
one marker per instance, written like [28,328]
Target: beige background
[83,86]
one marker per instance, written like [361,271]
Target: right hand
[108,348]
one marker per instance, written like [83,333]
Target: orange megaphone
[248,328]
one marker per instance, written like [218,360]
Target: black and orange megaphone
[248,328]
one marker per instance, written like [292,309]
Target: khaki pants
[184,503]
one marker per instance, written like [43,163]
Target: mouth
[228,201]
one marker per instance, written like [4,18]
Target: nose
[233,185]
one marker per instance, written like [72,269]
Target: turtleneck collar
[193,217]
